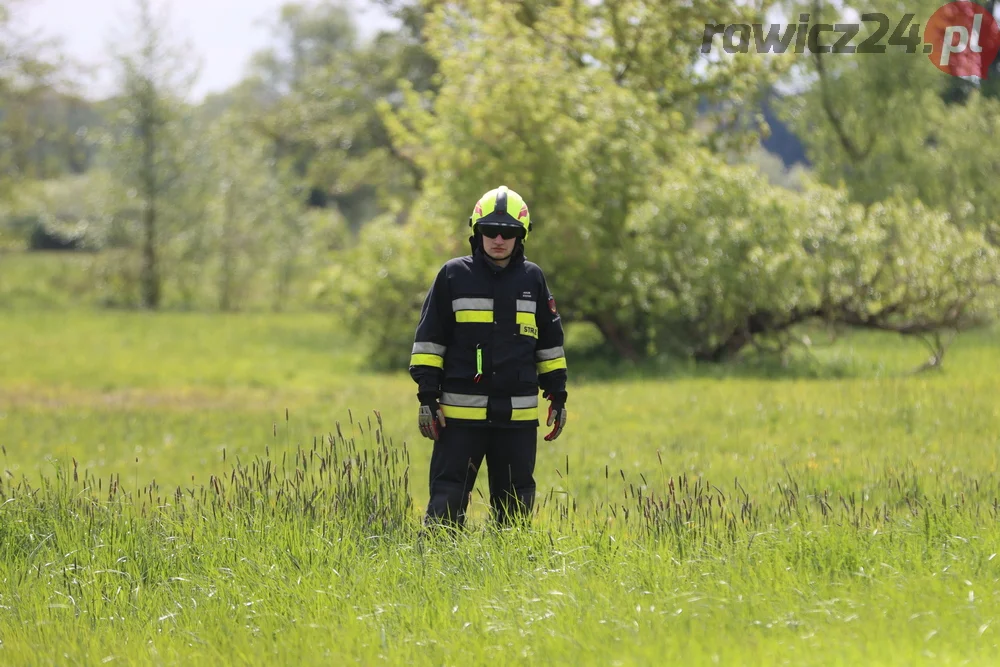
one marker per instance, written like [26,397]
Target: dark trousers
[455,463]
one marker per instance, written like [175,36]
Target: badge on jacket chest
[528,330]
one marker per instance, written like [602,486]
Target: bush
[714,260]
[380,282]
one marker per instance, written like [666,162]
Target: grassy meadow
[236,488]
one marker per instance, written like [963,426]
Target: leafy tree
[151,148]
[573,106]
[318,89]
[722,259]
[378,284]
[259,234]
[929,150]
[28,72]
[47,131]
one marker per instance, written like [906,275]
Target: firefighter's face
[498,247]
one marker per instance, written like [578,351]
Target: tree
[574,106]
[258,230]
[931,149]
[723,260]
[28,73]
[148,142]
[318,90]
[47,131]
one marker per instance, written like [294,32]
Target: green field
[219,488]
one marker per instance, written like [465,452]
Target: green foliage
[46,132]
[49,280]
[657,242]
[773,169]
[70,209]
[963,170]
[153,149]
[201,210]
[15,229]
[720,258]
[931,151]
[317,92]
[615,130]
[156,204]
[574,120]
[256,235]
[379,284]
[33,115]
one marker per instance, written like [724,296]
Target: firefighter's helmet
[501,206]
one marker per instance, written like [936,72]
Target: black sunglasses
[506,232]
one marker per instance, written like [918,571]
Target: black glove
[430,415]
[557,413]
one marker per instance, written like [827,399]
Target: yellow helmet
[502,206]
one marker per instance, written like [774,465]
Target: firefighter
[489,336]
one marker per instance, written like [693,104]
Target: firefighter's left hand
[557,414]
[430,417]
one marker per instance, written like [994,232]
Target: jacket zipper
[479,363]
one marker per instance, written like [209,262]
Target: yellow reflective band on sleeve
[524,414]
[457,412]
[474,316]
[526,318]
[427,360]
[551,365]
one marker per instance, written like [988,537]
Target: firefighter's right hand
[429,418]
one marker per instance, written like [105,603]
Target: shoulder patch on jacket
[552,304]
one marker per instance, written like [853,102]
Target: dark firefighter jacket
[487,339]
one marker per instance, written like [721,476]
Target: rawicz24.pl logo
[960,38]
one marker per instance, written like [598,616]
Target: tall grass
[316,553]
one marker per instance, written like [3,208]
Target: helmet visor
[492,230]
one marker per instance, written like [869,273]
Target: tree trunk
[150,269]
[756,324]
[619,341]
[226,279]
[283,282]
[147,128]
